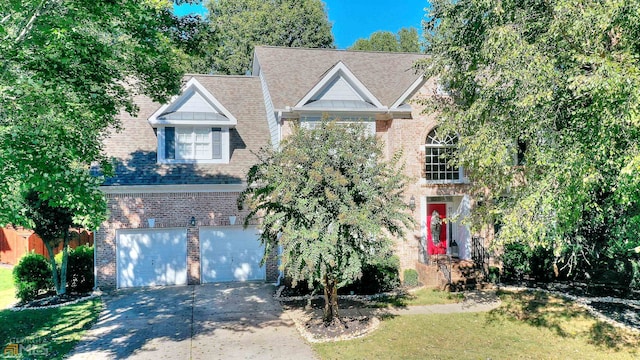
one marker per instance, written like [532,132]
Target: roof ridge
[224,76]
[341,50]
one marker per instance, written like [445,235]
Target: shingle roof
[292,72]
[135,147]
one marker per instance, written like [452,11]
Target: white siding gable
[338,89]
[193,102]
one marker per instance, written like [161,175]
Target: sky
[355,19]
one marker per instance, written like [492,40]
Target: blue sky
[354,19]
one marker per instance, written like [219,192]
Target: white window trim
[225,140]
[462,179]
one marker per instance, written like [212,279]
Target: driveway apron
[213,321]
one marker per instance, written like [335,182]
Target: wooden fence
[15,243]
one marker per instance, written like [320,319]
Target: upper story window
[193,128]
[439,150]
[369,123]
[193,144]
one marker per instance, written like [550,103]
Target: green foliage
[494,275]
[378,276]
[406,40]
[330,200]
[557,81]
[520,261]
[411,278]
[32,276]
[80,268]
[243,24]
[67,69]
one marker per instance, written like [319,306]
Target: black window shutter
[169,143]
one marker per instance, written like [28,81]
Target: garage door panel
[152,257]
[231,254]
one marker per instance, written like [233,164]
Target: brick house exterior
[154,190]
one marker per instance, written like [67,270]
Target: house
[180,166]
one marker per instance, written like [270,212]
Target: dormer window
[193,128]
[193,144]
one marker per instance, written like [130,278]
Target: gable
[339,90]
[194,106]
[291,72]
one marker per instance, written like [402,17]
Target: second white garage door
[151,257]
[230,254]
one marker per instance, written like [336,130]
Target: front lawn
[7,290]
[525,326]
[420,297]
[48,333]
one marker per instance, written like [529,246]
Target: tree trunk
[63,267]
[59,278]
[52,262]
[330,300]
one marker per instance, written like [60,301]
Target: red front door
[436,229]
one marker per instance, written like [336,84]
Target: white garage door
[230,254]
[151,257]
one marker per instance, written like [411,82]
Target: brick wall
[170,210]
[409,137]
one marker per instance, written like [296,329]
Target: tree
[557,82]
[243,24]
[406,40]
[67,69]
[330,201]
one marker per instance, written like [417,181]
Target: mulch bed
[627,314]
[316,330]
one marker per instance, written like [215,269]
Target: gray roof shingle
[292,72]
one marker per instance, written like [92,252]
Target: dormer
[339,91]
[193,127]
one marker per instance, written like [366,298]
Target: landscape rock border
[23,308]
[585,303]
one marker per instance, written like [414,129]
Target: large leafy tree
[330,201]
[67,69]
[406,40]
[243,24]
[554,84]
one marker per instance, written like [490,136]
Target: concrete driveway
[214,321]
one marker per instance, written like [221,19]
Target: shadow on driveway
[213,321]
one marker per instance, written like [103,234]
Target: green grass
[7,290]
[54,331]
[433,297]
[420,297]
[526,326]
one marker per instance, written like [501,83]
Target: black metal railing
[480,255]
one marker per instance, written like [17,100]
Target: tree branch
[30,22]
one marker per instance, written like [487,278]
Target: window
[313,122]
[193,144]
[439,150]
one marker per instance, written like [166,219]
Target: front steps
[464,274]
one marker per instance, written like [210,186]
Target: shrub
[515,261]
[32,276]
[494,275]
[520,260]
[380,275]
[411,278]
[79,268]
